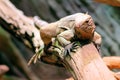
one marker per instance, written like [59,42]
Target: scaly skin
[79,24]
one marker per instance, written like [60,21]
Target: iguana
[79,25]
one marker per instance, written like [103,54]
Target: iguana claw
[71,47]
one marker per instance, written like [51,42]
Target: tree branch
[19,24]
[110,2]
[112,62]
[86,64]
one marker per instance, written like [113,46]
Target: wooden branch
[86,64]
[20,25]
[110,2]
[113,62]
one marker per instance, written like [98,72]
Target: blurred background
[106,18]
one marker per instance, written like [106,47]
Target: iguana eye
[61,29]
[64,27]
[86,21]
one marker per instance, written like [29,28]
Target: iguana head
[84,26]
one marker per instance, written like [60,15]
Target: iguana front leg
[64,51]
[60,41]
[63,43]
[97,40]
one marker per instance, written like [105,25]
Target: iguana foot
[58,48]
[60,52]
[71,47]
[36,56]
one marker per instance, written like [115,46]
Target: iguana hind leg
[37,55]
[39,51]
